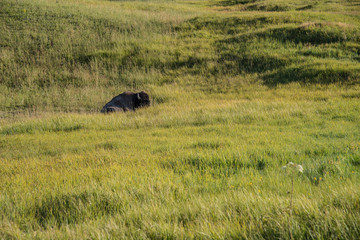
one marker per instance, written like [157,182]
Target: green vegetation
[239,89]
[74,55]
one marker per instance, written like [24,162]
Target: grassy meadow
[238,88]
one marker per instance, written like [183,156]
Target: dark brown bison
[127,101]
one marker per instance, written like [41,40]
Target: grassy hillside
[74,55]
[239,89]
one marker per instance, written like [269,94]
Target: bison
[127,101]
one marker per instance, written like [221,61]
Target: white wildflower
[299,168]
[292,165]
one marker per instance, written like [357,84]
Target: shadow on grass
[218,166]
[228,3]
[313,74]
[74,208]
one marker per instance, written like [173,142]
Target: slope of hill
[55,52]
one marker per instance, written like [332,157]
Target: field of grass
[238,88]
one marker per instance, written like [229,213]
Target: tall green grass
[238,90]
[203,167]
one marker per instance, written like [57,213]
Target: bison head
[141,99]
